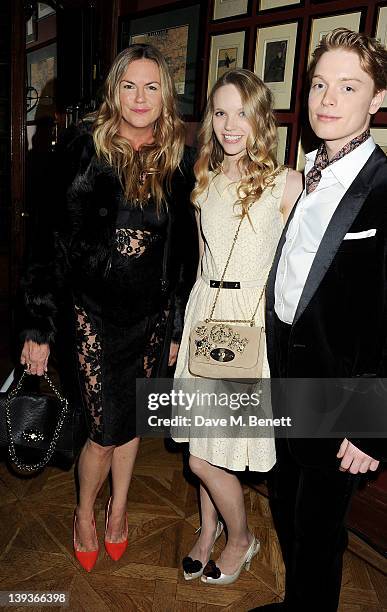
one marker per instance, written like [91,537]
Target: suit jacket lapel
[341,221]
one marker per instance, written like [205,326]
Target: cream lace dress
[250,263]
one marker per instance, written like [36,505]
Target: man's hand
[353,460]
[35,357]
[173,350]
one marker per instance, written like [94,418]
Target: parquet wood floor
[36,547]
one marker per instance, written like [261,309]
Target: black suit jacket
[340,326]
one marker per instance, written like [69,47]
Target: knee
[98,450]
[198,466]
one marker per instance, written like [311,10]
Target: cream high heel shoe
[213,575]
[193,568]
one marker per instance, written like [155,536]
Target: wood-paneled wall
[304,12]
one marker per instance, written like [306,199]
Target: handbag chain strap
[251,321]
[51,449]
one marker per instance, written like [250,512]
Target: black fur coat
[81,234]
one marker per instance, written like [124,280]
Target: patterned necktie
[313,177]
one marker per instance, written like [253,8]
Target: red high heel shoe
[115,550]
[87,558]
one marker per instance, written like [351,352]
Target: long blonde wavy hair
[259,165]
[157,161]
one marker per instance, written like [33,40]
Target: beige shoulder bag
[227,349]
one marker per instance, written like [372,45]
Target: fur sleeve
[44,281]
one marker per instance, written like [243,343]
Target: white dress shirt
[309,223]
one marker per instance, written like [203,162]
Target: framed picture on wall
[379,134]
[283,133]
[44,10]
[41,78]
[274,60]
[381,33]
[175,33]
[264,5]
[324,25]
[226,53]
[31,30]
[229,8]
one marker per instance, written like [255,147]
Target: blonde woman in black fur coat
[118,254]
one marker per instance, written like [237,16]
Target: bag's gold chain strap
[34,467]
[251,321]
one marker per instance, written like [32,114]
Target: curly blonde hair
[157,161]
[259,165]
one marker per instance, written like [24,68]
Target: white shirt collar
[347,168]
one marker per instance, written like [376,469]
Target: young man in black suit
[327,311]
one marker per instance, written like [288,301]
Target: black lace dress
[121,324]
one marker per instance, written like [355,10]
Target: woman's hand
[173,350]
[35,357]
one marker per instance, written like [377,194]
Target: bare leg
[123,460]
[203,545]
[227,495]
[93,468]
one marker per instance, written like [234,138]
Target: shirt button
[103,212]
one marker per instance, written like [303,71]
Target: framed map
[175,33]
[41,80]
[172,42]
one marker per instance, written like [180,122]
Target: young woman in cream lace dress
[236,172]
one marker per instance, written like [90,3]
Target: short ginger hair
[372,54]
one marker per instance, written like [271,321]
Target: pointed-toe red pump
[86,558]
[115,550]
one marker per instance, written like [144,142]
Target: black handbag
[36,427]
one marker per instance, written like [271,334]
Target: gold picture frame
[226,53]
[381,34]
[324,25]
[229,8]
[265,5]
[275,52]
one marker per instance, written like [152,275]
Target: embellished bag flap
[222,350]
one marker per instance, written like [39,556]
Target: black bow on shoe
[191,566]
[212,570]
